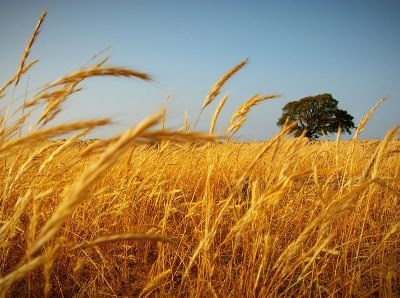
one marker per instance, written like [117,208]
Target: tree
[316,116]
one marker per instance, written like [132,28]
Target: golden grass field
[155,212]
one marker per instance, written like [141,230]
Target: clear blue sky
[296,48]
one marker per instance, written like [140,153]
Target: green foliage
[316,116]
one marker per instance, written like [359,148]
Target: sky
[349,49]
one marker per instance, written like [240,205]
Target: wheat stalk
[125,237]
[154,282]
[366,117]
[53,106]
[217,112]
[99,71]
[214,91]
[49,96]
[29,46]
[239,117]
[164,112]
[51,132]
[208,237]
[186,124]
[78,192]
[20,272]
[17,76]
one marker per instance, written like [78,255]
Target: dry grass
[217,112]
[239,117]
[215,90]
[153,212]
[364,120]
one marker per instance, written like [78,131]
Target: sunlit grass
[179,213]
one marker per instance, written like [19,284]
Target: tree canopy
[316,116]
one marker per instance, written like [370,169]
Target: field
[155,212]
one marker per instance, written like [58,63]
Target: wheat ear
[217,112]
[221,82]
[239,117]
[366,118]
[214,91]
[154,283]
[29,46]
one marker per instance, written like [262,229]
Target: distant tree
[316,116]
